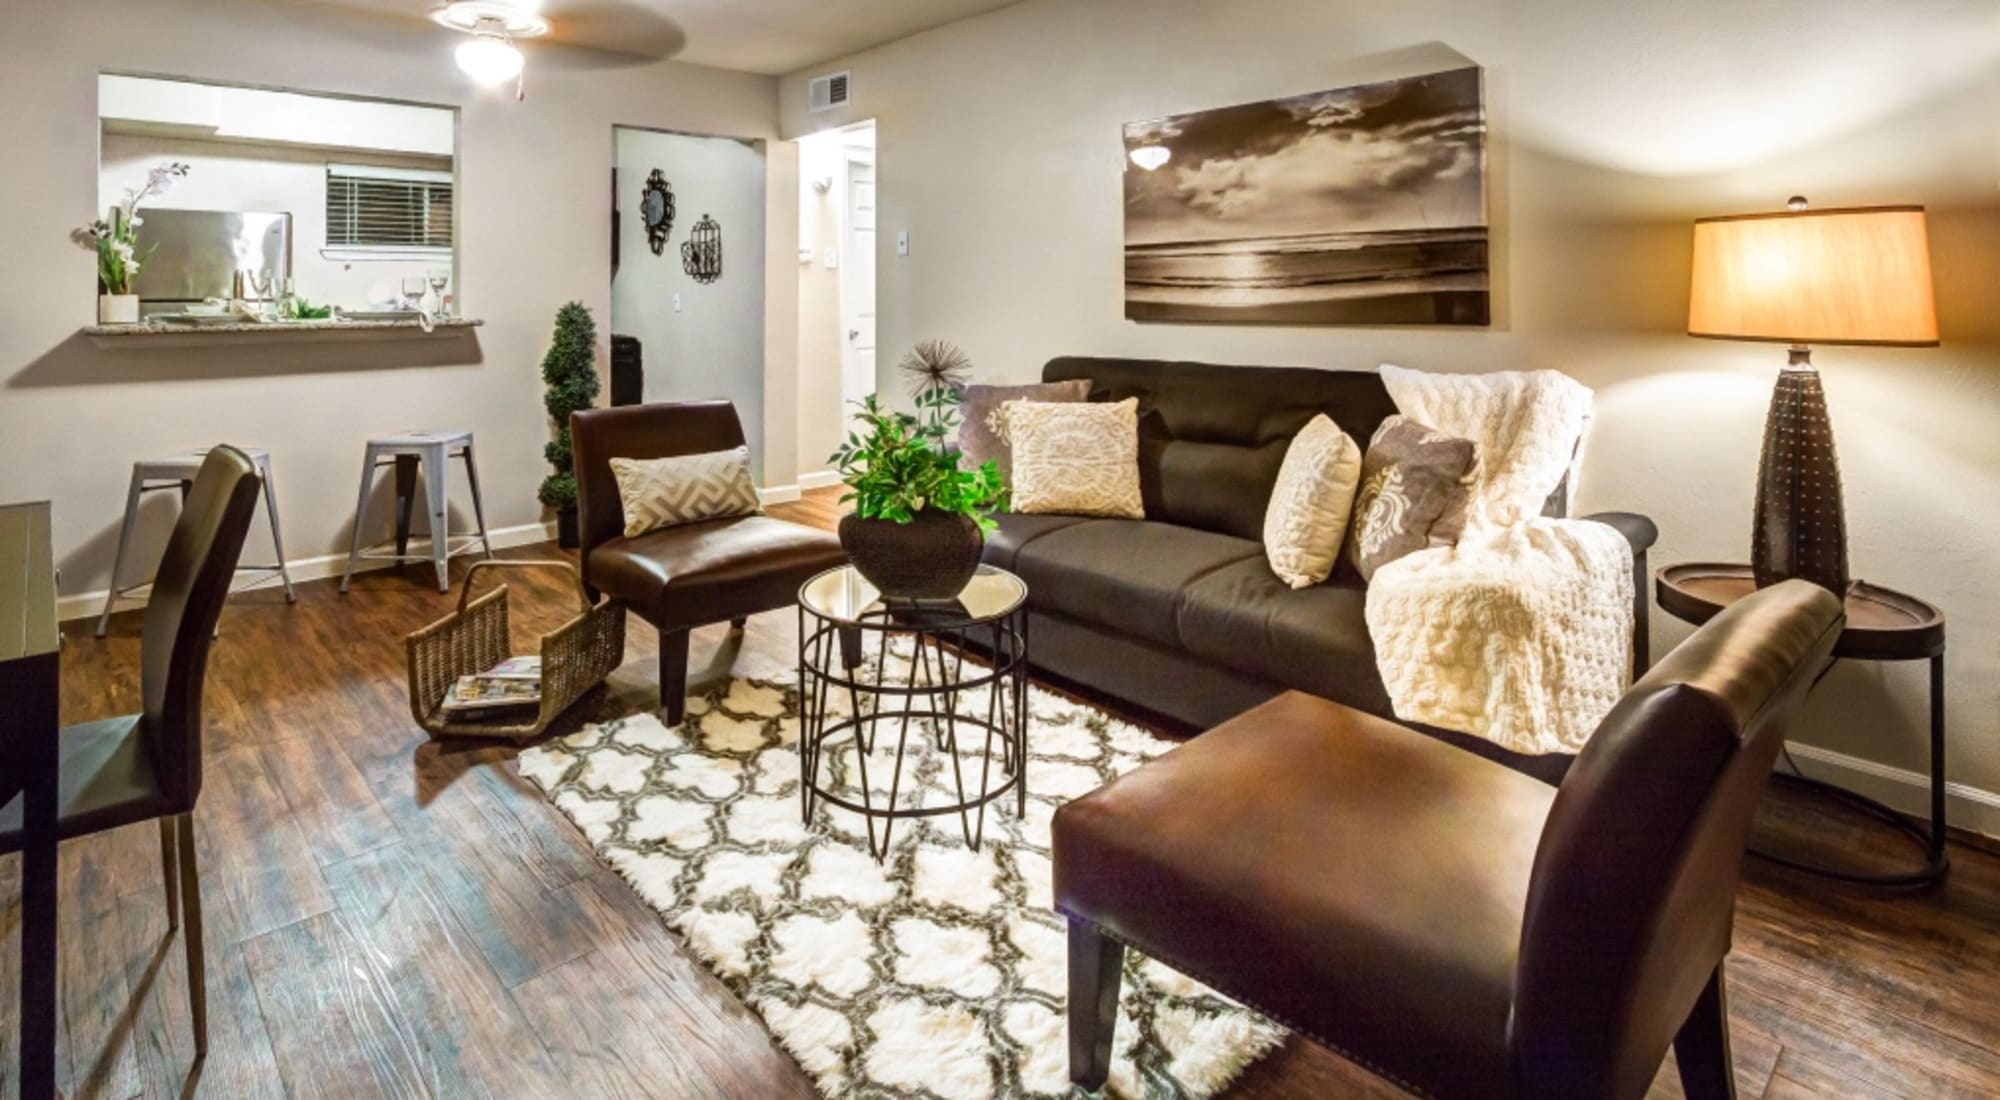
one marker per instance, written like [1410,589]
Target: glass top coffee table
[895,721]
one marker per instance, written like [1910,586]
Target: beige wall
[532,235]
[1613,125]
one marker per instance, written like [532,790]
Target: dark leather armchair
[1441,920]
[678,578]
[147,766]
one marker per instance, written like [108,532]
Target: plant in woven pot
[570,372]
[919,521]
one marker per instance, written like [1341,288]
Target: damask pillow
[667,492]
[1077,459]
[1310,505]
[1415,485]
[981,430]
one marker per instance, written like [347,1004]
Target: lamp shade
[1851,276]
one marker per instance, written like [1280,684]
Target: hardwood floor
[391,916]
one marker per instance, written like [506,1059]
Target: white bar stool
[178,472]
[407,451]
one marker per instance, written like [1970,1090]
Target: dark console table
[30,648]
[1882,625]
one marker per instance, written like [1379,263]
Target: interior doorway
[687,286]
[838,363]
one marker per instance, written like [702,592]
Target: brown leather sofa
[1179,614]
[1444,921]
[678,578]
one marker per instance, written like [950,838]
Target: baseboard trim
[819,479]
[88,605]
[778,494]
[1970,808]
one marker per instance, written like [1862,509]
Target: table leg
[1937,859]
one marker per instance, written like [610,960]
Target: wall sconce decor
[701,253]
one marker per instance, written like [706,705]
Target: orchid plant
[114,240]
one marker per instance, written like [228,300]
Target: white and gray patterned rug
[937,974]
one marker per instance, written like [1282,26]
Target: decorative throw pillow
[665,492]
[1310,505]
[981,428]
[1076,459]
[1415,484]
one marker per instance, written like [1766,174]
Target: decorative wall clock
[701,253]
[656,206]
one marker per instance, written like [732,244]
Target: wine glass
[262,281]
[440,278]
[413,291]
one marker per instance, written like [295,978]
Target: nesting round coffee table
[870,667]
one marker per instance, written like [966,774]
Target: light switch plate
[902,242]
[832,258]
[677,301]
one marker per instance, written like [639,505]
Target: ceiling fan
[490,56]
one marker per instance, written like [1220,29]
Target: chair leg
[118,556]
[437,498]
[673,676]
[1096,966]
[170,873]
[739,622]
[360,517]
[1702,1046]
[197,968]
[478,507]
[277,537]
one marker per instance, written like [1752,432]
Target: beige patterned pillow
[665,492]
[1078,459]
[1310,504]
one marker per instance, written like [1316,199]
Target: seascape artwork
[1364,205]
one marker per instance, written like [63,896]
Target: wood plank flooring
[393,917]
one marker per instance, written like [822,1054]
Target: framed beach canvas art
[1364,205]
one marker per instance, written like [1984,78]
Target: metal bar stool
[178,472]
[431,450]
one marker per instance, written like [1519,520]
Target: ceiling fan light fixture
[489,58]
[509,20]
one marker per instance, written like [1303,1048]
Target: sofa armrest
[1638,530]
[1642,533]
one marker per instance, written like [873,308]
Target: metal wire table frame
[831,653]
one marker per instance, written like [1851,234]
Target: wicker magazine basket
[576,657]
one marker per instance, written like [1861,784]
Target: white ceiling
[774,37]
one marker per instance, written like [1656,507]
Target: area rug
[939,972]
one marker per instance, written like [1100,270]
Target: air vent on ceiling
[828,92]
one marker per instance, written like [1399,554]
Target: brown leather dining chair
[147,766]
[678,578]
[1454,926]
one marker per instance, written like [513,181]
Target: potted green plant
[115,240]
[570,372]
[919,521]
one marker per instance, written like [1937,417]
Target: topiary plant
[570,371]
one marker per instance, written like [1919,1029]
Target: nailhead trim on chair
[1201,976]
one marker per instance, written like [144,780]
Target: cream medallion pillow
[1079,459]
[1307,517]
[666,492]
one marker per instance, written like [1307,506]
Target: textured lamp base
[1801,527]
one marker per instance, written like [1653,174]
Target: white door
[857,282]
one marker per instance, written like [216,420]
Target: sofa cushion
[1313,639]
[1211,438]
[1127,573]
[1018,529]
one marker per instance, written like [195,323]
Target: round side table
[841,616]
[1882,625]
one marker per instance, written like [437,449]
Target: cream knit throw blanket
[1520,634]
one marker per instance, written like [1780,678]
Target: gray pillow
[980,438]
[1415,486]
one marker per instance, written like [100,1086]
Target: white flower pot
[117,309]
